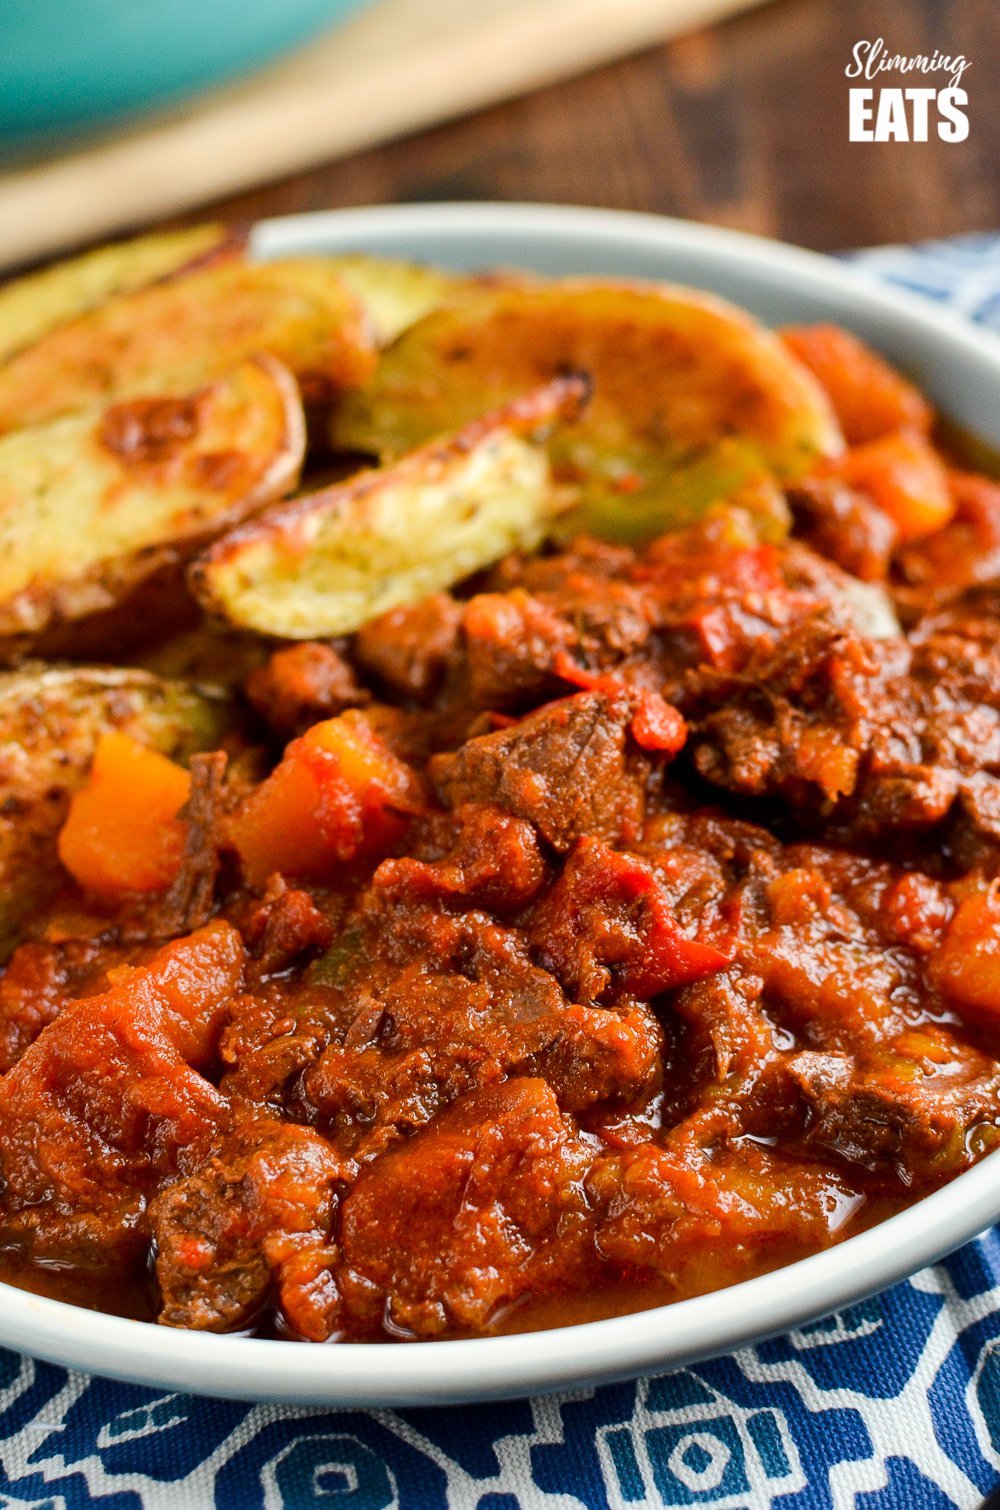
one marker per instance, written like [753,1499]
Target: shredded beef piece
[189,901]
[808,1034]
[583,559]
[723,607]
[646,618]
[506,651]
[266,1041]
[499,649]
[607,926]
[972,614]
[479,855]
[683,600]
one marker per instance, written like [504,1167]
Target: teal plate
[74,66]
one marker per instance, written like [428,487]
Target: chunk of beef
[478,855]
[701,1210]
[868,736]
[99,1108]
[711,870]
[408,649]
[607,928]
[808,1035]
[731,1044]
[909,1112]
[727,606]
[301,685]
[567,768]
[466,1217]
[828,950]
[777,728]
[511,643]
[506,651]
[435,1004]
[39,980]
[699,594]
[844,526]
[268,1039]
[831,967]
[286,925]
[250,1225]
[583,558]
[972,615]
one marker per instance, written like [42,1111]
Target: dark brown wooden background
[744,124]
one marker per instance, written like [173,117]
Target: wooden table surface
[744,125]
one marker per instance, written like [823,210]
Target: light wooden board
[400,66]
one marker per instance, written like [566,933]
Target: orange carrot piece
[904,476]
[337,792]
[870,398]
[122,833]
[966,965]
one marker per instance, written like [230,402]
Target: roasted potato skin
[182,333]
[692,398]
[39,302]
[324,564]
[394,293]
[51,718]
[95,503]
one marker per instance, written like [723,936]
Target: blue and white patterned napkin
[891,1405]
[963,273]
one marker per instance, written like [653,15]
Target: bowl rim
[390,1374]
[536,223]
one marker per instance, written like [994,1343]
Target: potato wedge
[32,305]
[51,718]
[95,502]
[691,396]
[177,335]
[324,565]
[393,293]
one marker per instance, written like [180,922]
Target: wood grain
[400,65]
[743,124]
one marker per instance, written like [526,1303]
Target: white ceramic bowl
[959,368]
